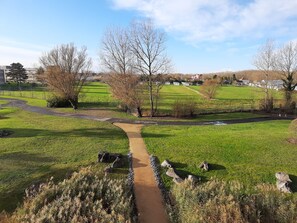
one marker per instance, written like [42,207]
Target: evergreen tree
[17,73]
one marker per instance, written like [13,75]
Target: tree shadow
[26,157]
[154,135]
[104,133]
[178,165]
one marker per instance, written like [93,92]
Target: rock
[283,186]
[166,164]
[204,166]
[282,182]
[108,169]
[117,163]
[192,179]
[283,177]
[171,173]
[106,157]
[178,180]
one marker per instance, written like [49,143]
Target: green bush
[185,108]
[83,198]
[219,201]
[57,102]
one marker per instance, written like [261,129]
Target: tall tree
[66,70]
[17,73]
[286,63]
[149,51]
[264,61]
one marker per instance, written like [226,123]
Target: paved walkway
[147,194]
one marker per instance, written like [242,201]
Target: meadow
[250,153]
[43,146]
[97,95]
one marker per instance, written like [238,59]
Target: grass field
[250,153]
[43,146]
[97,95]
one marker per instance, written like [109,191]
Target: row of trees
[283,60]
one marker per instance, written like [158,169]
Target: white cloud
[218,20]
[27,54]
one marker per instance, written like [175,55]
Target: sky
[202,35]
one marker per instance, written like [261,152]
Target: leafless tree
[128,89]
[149,51]
[66,70]
[116,55]
[286,63]
[209,88]
[264,61]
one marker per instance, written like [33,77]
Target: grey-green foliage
[220,201]
[84,197]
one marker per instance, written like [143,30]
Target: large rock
[204,166]
[282,182]
[106,157]
[171,173]
[166,164]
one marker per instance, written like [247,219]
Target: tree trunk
[139,112]
[151,97]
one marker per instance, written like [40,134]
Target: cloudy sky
[202,35]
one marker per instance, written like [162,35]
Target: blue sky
[202,35]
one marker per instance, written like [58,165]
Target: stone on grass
[282,182]
[171,173]
[106,157]
[204,166]
[117,163]
[166,164]
[178,180]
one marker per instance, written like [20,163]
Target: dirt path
[147,194]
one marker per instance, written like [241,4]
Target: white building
[31,72]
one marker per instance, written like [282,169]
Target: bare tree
[209,88]
[286,63]
[128,89]
[116,55]
[66,70]
[264,61]
[149,51]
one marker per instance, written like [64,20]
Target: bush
[82,198]
[219,201]
[57,102]
[267,105]
[185,108]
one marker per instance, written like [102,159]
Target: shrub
[267,104]
[219,201]
[185,108]
[82,198]
[58,102]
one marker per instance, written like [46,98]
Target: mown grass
[250,153]
[43,146]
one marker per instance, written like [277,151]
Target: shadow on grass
[294,183]
[13,198]
[213,166]
[26,157]
[104,133]
[153,135]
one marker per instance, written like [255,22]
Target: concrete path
[147,194]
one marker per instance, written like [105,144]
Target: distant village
[231,78]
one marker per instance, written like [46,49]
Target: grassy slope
[251,153]
[44,146]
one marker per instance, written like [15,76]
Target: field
[44,146]
[250,153]
[97,95]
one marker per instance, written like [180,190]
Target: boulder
[117,163]
[178,180]
[282,182]
[106,157]
[204,166]
[166,164]
[171,173]
[283,177]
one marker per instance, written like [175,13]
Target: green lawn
[43,146]
[250,153]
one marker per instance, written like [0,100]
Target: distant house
[176,83]
[31,72]
[167,83]
[185,84]
[245,82]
